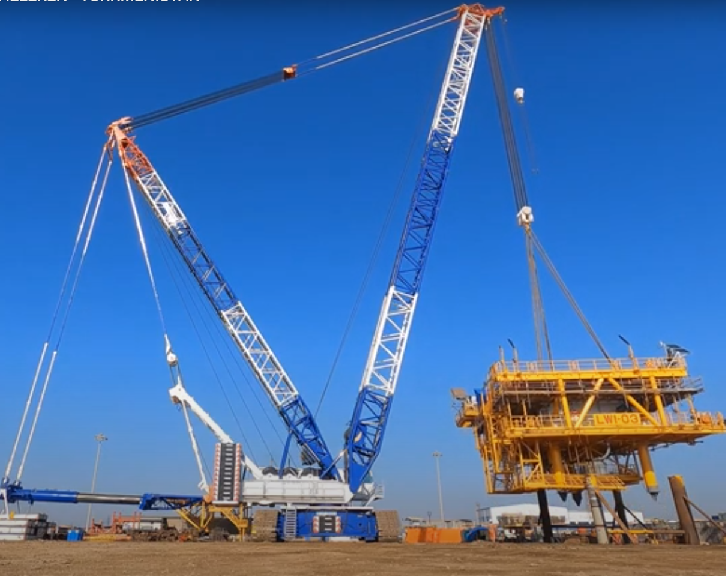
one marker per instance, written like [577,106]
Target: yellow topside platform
[554,424]
[623,400]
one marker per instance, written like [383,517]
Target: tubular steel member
[144,501]
[683,510]
[597,515]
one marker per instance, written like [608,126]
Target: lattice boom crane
[330,496]
[364,437]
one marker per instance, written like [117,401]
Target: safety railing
[705,420]
[633,386]
[587,365]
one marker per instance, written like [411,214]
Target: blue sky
[288,188]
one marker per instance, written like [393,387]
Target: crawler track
[389,525]
[264,526]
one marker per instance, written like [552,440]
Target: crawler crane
[573,425]
[322,500]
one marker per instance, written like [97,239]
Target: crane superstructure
[332,501]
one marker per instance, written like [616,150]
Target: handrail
[700,419]
[709,420]
[589,365]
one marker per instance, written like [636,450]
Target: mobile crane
[321,500]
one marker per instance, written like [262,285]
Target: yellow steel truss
[200,516]
[552,424]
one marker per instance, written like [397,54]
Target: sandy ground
[353,559]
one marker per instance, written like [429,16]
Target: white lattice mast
[385,358]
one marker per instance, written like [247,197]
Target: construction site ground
[354,559]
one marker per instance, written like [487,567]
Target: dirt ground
[353,559]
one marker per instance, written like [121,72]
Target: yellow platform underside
[527,483]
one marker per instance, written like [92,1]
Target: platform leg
[620,509]
[544,516]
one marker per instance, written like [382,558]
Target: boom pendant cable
[173,265]
[145,252]
[152,280]
[98,194]
[377,46]
[288,73]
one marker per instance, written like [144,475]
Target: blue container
[75,535]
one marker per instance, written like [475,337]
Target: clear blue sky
[288,188]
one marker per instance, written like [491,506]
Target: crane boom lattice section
[382,369]
[248,338]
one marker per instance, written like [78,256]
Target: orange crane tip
[480,10]
[118,124]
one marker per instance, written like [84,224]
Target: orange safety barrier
[431,535]
[413,535]
[448,535]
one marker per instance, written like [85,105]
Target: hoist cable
[568,295]
[529,142]
[515,165]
